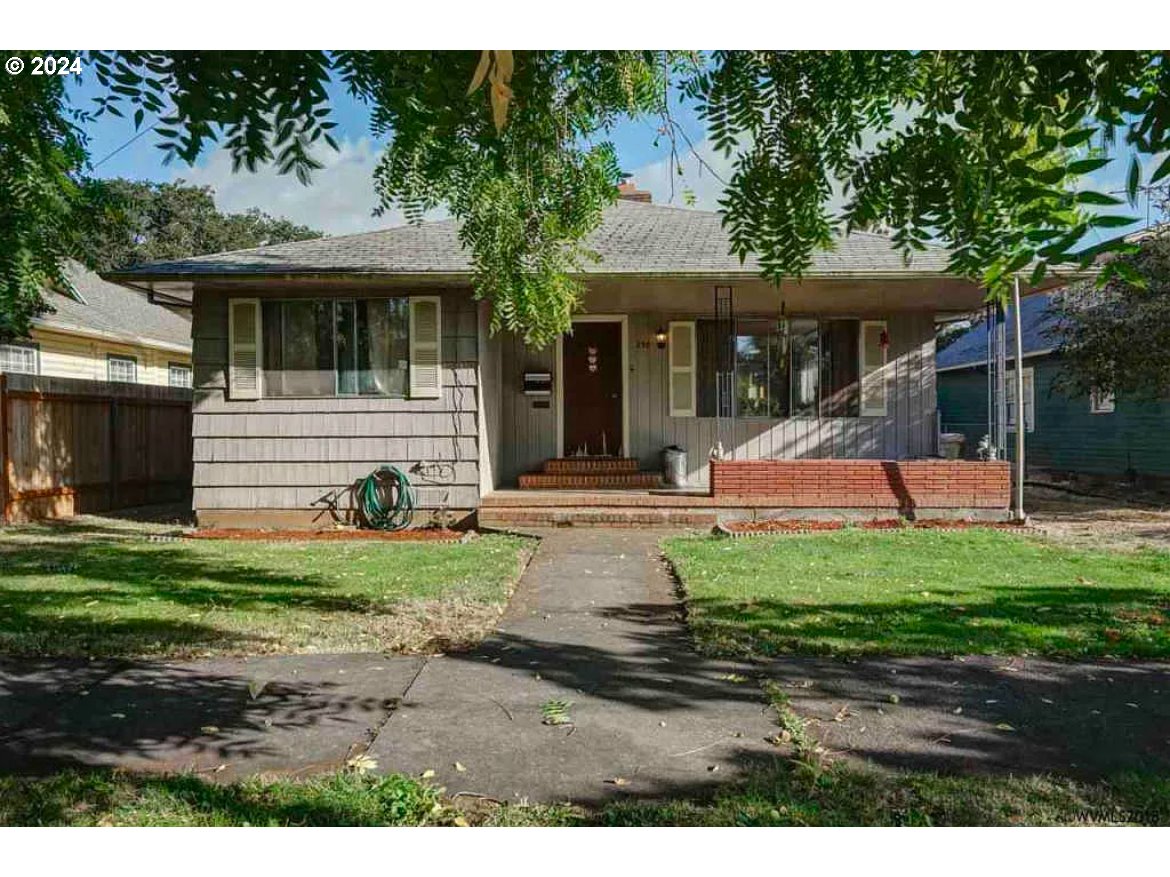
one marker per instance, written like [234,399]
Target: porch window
[328,347]
[801,367]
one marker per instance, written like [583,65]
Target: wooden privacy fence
[69,447]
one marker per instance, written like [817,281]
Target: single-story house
[1087,434]
[316,361]
[111,334]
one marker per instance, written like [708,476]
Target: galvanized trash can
[674,466]
[950,444]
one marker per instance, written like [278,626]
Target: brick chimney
[627,191]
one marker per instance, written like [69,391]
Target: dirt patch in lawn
[430,534]
[1096,522]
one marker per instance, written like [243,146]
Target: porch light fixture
[660,338]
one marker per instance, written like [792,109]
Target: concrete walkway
[594,621]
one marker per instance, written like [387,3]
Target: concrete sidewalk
[594,621]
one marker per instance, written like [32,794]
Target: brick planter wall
[886,484]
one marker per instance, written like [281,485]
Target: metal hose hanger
[386,499]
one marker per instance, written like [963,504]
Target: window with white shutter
[874,344]
[682,355]
[426,373]
[244,348]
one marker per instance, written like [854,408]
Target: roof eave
[134,278]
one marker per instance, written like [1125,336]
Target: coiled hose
[386,499]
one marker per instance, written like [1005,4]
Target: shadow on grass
[1089,621]
[103,597]
[95,798]
[780,794]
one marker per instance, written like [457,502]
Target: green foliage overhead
[1116,339]
[128,222]
[41,154]
[981,152]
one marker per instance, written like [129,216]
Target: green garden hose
[386,499]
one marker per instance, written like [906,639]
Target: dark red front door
[592,384]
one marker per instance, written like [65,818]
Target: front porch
[763,489]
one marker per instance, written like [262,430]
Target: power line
[144,131]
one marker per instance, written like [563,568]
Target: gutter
[462,277]
[975,363]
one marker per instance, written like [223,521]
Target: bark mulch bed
[427,534]
[760,528]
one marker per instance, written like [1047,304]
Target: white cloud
[704,178]
[340,199]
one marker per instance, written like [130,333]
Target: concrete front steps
[590,473]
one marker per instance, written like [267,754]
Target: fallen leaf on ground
[427,774]
[618,781]
[209,729]
[362,763]
[459,767]
[1004,726]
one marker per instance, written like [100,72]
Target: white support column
[1021,426]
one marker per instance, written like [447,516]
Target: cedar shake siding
[301,454]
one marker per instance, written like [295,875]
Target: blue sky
[341,199]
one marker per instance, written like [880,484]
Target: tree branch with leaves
[985,153]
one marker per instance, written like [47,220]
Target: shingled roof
[633,239]
[114,311]
[970,348]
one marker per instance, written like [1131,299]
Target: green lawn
[922,592]
[784,794]
[96,593]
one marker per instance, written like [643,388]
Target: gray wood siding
[304,453]
[907,430]
[528,433]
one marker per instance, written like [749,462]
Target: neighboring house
[1088,434]
[113,334]
[317,361]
